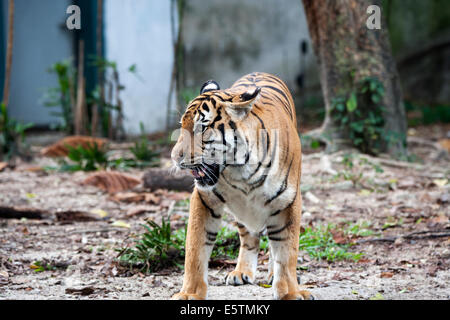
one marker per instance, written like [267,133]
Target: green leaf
[352,103]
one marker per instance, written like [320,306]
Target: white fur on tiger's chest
[252,209]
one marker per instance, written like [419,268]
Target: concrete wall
[139,32]
[39,41]
[227,39]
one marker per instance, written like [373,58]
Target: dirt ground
[406,205]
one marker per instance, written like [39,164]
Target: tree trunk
[80,107]
[100,75]
[349,55]
[9,52]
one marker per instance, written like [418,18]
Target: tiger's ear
[209,85]
[241,104]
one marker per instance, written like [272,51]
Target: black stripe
[281,229]
[258,183]
[279,81]
[283,185]
[245,85]
[285,106]
[208,243]
[244,234]
[288,206]
[267,143]
[232,185]
[275,213]
[277,239]
[233,126]
[210,210]
[246,246]
[218,195]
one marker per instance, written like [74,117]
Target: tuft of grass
[40,266]
[354,169]
[319,244]
[227,244]
[12,134]
[155,249]
[161,247]
[361,228]
[89,158]
[142,151]
[92,158]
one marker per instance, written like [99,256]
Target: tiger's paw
[187,296]
[299,295]
[238,278]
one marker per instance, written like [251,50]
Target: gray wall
[139,32]
[39,41]
[227,39]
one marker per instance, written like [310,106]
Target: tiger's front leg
[201,234]
[283,231]
[245,271]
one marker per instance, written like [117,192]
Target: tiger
[242,147]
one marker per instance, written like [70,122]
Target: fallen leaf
[3,165]
[386,275]
[59,148]
[339,237]
[445,143]
[4,277]
[111,182]
[134,211]
[178,196]
[364,192]
[120,224]
[378,296]
[264,285]
[440,182]
[101,213]
[128,197]
[439,219]
[151,198]
[431,271]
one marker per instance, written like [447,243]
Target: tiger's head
[211,136]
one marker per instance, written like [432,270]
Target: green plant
[63,96]
[12,133]
[85,158]
[264,243]
[353,172]
[361,228]
[105,98]
[155,249]
[227,244]
[40,266]
[319,244]
[142,150]
[360,113]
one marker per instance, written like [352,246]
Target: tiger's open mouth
[206,174]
